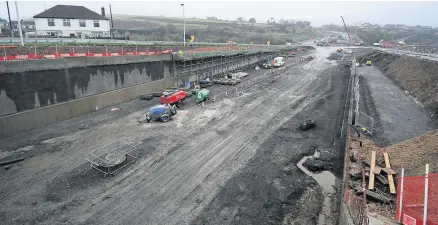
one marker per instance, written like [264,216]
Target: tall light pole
[184,17]
[112,23]
[19,24]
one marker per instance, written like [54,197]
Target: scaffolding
[219,61]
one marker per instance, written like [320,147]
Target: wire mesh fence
[39,51]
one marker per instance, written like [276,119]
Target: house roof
[3,20]
[70,12]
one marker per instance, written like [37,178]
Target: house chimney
[103,11]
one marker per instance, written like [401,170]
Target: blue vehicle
[161,113]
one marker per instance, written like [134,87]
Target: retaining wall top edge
[72,62]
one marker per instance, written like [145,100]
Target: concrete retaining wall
[71,62]
[28,120]
[39,98]
[344,212]
[26,90]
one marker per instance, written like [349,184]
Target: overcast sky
[319,13]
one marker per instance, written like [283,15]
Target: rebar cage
[112,157]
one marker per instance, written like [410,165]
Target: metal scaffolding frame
[226,60]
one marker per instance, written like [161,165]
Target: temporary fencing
[361,120]
[17,52]
[417,199]
[49,52]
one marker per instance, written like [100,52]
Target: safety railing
[29,52]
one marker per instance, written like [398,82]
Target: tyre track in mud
[253,196]
[234,141]
[100,136]
[136,195]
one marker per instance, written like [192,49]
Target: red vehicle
[173,97]
[386,44]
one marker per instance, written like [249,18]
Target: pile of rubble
[231,79]
[380,166]
[371,173]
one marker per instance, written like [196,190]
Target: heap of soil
[412,154]
[418,76]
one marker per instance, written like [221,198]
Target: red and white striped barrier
[71,54]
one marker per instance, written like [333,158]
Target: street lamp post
[19,24]
[184,18]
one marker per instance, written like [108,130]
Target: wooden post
[372,166]
[390,176]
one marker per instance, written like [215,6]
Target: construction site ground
[232,161]
[403,127]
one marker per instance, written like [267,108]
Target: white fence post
[426,190]
[400,209]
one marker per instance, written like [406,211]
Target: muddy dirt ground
[397,116]
[231,162]
[397,93]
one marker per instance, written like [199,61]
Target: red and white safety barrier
[65,55]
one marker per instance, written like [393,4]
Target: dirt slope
[418,76]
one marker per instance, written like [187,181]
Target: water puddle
[327,181]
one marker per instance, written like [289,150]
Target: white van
[278,62]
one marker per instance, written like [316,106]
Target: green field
[159,28]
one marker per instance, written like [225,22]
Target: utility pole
[10,22]
[184,17]
[19,24]
[112,22]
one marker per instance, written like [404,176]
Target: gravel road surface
[241,148]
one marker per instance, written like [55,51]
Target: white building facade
[72,21]
[72,27]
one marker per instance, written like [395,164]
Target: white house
[72,21]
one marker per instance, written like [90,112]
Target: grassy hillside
[156,28]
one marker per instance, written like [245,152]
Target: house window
[66,23]
[50,22]
[96,23]
[82,23]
